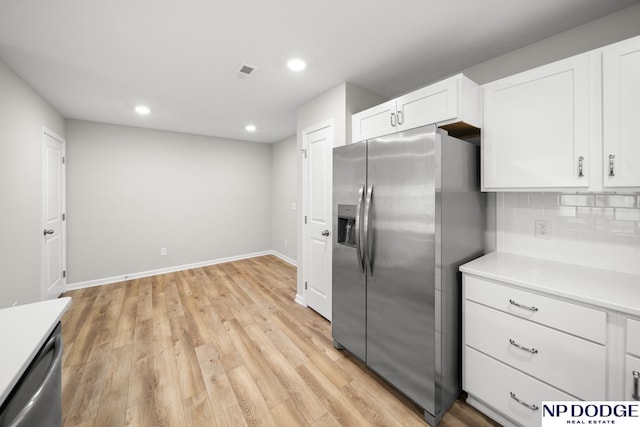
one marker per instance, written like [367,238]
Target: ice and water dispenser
[347,225]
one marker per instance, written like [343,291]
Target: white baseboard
[285,258]
[300,300]
[121,278]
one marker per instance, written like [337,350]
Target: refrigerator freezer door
[349,281]
[402,254]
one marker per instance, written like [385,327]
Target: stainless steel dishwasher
[36,400]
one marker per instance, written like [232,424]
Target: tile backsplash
[597,230]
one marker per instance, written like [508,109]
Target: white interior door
[53,215]
[318,143]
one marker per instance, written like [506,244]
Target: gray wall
[284,187]
[23,113]
[132,191]
[601,32]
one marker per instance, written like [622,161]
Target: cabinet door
[432,104]
[375,121]
[621,111]
[633,337]
[536,127]
[632,378]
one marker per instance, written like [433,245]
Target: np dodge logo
[590,413]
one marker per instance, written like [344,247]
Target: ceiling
[96,60]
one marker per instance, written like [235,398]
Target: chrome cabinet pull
[523,403]
[325,233]
[400,118]
[611,157]
[393,119]
[526,307]
[636,376]
[530,350]
[46,232]
[580,173]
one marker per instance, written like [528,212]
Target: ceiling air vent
[245,71]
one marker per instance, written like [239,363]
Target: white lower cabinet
[572,364]
[522,348]
[632,361]
[632,378]
[633,337]
[536,331]
[516,395]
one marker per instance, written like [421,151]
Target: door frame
[306,262]
[63,200]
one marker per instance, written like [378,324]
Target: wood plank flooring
[224,345]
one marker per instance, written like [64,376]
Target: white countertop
[604,288]
[23,331]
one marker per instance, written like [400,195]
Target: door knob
[48,232]
[325,233]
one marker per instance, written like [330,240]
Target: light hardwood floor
[224,345]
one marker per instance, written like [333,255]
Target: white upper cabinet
[566,126]
[536,127]
[621,113]
[454,101]
[375,121]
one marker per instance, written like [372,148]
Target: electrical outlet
[163,251]
[286,242]
[543,229]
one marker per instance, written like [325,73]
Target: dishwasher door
[36,400]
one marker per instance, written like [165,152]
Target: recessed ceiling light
[296,64]
[250,128]
[143,110]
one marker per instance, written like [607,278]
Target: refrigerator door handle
[367,227]
[358,228]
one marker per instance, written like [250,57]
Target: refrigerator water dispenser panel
[347,225]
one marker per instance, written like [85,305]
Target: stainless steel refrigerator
[407,212]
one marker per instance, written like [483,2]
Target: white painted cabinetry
[632,361]
[621,111]
[536,131]
[450,101]
[537,330]
[568,125]
[544,349]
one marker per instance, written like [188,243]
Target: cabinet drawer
[571,364]
[631,386]
[572,318]
[494,383]
[633,337]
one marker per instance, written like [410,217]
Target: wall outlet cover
[543,229]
